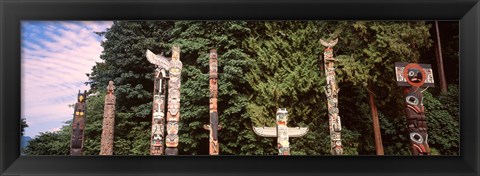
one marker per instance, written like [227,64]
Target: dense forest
[265,65]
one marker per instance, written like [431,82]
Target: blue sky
[55,57]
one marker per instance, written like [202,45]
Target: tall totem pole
[174,68]
[106,147]
[173,106]
[281,131]
[412,76]
[158,112]
[213,127]
[78,125]
[331,91]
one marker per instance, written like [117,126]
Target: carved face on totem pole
[415,75]
[172,127]
[173,108]
[157,117]
[77,134]
[282,116]
[328,53]
[213,88]
[157,134]
[171,140]
[213,66]
[175,53]
[81,97]
[110,87]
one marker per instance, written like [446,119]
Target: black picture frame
[14,11]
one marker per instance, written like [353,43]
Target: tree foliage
[23,125]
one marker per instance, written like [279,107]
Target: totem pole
[412,76]
[281,131]
[213,127]
[78,125]
[158,109]
[106,147]
[174,68]
[331,91]
[158,113]
[173,106]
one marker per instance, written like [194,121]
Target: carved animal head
[419,143]
[175,53]
[282,116]
[110,87]
[81,98]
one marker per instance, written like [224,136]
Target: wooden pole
[106,147]
[438,54]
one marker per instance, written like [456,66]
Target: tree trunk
[438,55]
[376,125]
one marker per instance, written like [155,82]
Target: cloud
[56,55]
[54,130]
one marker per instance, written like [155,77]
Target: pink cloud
[53,70]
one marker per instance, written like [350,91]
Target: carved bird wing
[330,43]
[158,60]
[297,131]
[265,131]
[151,57]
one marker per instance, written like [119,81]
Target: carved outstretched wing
[297,131]
[330,43]
[158,60]
[265,131]
[151,57]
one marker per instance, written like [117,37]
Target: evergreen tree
[286,74]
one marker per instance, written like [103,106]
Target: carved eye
[417,138]
[334,100]
[412,100]
[334,111]
[411,73]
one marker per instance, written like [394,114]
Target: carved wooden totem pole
[174,68]
[413,76]
[106,147]
[281,131]
[158,112]
[173,106]
[78,125]
[213,127]
[331,91]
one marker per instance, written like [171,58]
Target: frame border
[13,11]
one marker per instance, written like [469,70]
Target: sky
[55,57]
